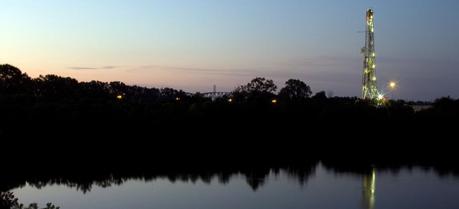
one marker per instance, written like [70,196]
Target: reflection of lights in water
[369,190]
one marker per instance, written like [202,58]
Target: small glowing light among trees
[177,99]
[119,97]
[230,100]
[274,101]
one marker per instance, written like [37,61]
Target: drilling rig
[370,89]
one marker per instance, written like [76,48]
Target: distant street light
[392,85]
[274,101]
[119,97]
[230,100]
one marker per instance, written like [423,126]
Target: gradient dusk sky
[194,44]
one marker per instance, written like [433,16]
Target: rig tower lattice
[370,89]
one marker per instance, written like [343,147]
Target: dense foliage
[52,104]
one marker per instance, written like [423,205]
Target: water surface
[320,188]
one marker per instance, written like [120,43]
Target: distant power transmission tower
[370,89]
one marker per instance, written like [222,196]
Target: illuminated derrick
[370,89]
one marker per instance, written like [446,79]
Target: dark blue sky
[195,44]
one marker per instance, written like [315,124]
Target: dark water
[321,188]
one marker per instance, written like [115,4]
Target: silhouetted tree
[259,89]
[260,85]
[169,94]
[295,90]
[118,88]
[54,87]
[320,95]
[13,81]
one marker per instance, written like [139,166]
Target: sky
[195,44]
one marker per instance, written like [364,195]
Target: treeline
[57,107]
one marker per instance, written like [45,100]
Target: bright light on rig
[380,96]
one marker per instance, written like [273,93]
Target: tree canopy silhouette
[259,89]
[70,106]
[13,81]
[295,90]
